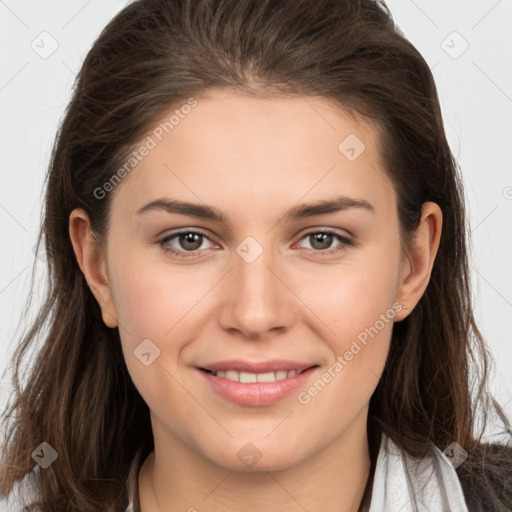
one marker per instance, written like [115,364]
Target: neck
[174,478]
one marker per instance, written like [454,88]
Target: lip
[256,394]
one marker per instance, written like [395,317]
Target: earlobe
[419,261]
[90,259]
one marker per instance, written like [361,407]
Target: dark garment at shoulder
[486,478]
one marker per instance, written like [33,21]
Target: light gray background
[475,88]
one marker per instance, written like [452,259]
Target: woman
[259,290]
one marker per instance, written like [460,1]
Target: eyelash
[345,242]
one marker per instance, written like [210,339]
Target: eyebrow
[300,211]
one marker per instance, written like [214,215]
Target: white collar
[403,483]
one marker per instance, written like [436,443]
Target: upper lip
[240,365]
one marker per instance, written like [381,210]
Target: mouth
[256,384]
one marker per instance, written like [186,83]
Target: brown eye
[187,243]
[190,241]
[321,241]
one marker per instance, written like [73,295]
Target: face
[271,287]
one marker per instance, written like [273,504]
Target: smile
[267,383]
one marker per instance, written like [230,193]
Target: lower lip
[256,394]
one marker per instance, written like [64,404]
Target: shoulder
[486,478]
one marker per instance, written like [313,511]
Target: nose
[256,298]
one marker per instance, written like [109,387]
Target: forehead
[235,150]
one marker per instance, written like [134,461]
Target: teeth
[247,377]
[267,377]
[232,375]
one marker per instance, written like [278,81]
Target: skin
[254,159]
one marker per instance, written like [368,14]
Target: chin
[249,458]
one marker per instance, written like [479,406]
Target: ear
[90,258]
[419,259]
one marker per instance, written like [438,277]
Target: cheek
[156,305]
[163,304]
[153,300]
[352,296]
[358,307]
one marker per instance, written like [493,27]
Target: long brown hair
[78,396]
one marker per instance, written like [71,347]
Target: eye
[322,240]
[189,243]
